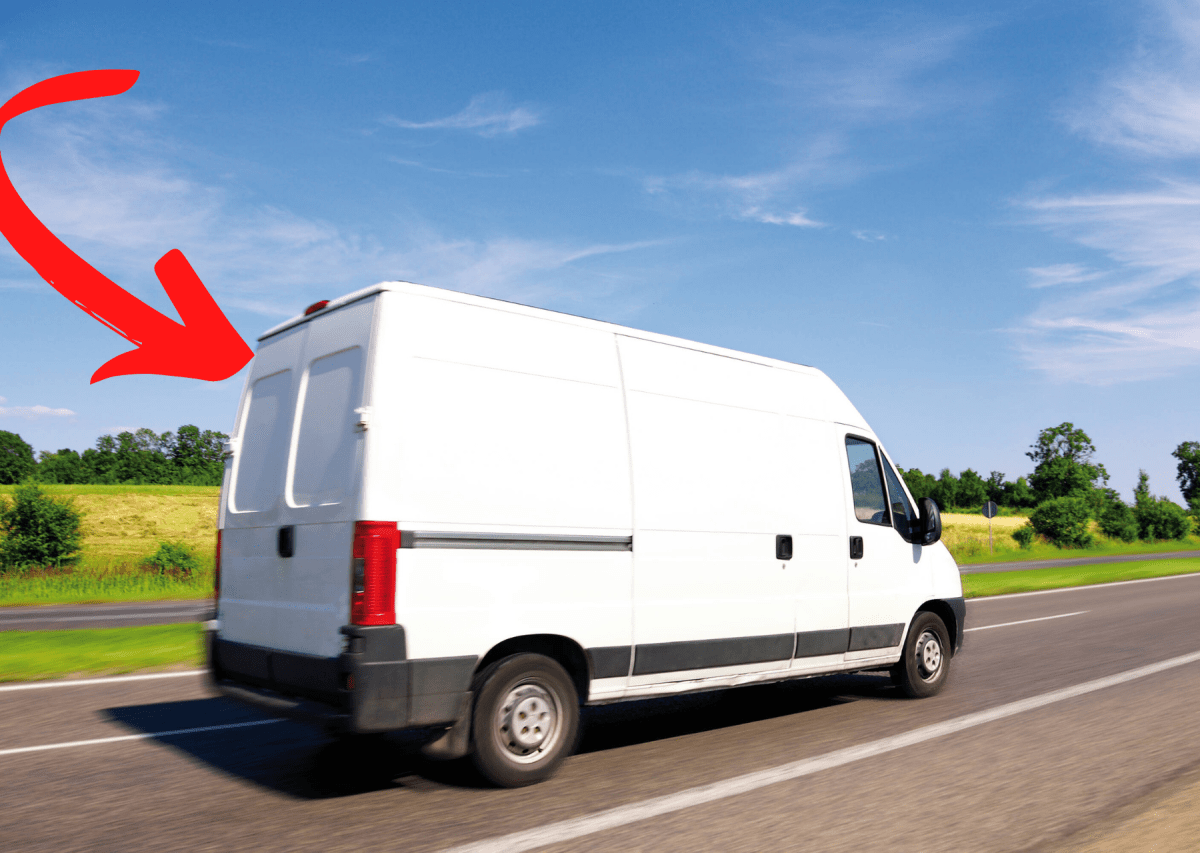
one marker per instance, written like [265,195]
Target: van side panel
[711,480]
[490,424]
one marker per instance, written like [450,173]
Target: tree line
[1067,489]
[187,457]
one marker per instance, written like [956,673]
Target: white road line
[145,736]
[84,682]
[1027,621]
[150,615]
[983,598]
[566,830]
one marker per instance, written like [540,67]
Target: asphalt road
[1077,561]
[989,775]
[67,616]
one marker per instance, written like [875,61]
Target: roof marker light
[315,307]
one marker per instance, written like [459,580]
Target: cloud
[106,183]
[1140,317]
[31,413]
[489,114]
[1060,274]
[1151,105]
[1137,320]
[870,236]
[826,89]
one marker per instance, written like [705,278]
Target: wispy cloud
[488,114]
[1152,105]
[1140,317]
[825,89]
[31,413]
[104,186]
[1055,274]
[870,236]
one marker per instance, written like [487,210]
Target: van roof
[517,307]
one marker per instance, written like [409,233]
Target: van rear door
[293,492]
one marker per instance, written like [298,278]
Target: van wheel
[925,664]
[525,721]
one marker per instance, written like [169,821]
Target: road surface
[1051,723]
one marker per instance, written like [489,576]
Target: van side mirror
[930,527]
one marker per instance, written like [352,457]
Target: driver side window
[870,499]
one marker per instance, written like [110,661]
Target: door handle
[783,547]
[856,547]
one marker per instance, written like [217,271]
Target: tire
[525,721]
[925,665]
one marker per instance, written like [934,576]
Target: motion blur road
[1031,776]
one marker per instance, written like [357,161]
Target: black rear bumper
[370,687]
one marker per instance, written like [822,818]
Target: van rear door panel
[299,455]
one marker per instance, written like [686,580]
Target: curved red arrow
[206,346]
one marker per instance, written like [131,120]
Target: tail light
[217,570]
[373,573]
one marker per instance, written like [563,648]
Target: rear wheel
[923,668]
[525,721]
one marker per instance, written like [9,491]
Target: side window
[323,467]
[903,515]
[870,503]
[264,443]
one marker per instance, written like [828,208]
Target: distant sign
[990,509]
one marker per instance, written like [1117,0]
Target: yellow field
[126,528]
[967,535]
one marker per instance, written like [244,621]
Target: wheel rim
[528,724]
[929,656]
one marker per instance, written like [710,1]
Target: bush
[173,557]
[38,530]
[1024,536]
[1119,522]
[1064,521]
[1159,518]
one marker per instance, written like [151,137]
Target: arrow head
[205,347]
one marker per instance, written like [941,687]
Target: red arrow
[206,346]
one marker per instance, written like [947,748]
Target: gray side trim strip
[811,644]
[610,661]
[514,541]
[875,637]
[703,654]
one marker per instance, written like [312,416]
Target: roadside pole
[989,512]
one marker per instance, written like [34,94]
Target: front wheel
[525,721]
[923,668]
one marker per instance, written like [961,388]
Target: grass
[1030,580]
[122,526]
[967,538]
[37,655]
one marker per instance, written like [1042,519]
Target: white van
[458,514]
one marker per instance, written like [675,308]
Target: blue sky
[979,221]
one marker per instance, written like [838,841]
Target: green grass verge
[37,655]
[83,588]
[1102,548]
[1031,580]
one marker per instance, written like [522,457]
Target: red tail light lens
[217,570]
[373,573]
[315,307]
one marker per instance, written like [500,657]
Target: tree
[1018,494]
[972,489]
[62,466]
[1063,467]
[945,491]
[1188,454]
[1158,518]
[995,487]
[198,456]
[38,530]
[16,458]
[920,484]
[1064,521]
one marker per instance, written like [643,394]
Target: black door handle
[856,547]
[783,547]
[286,544]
